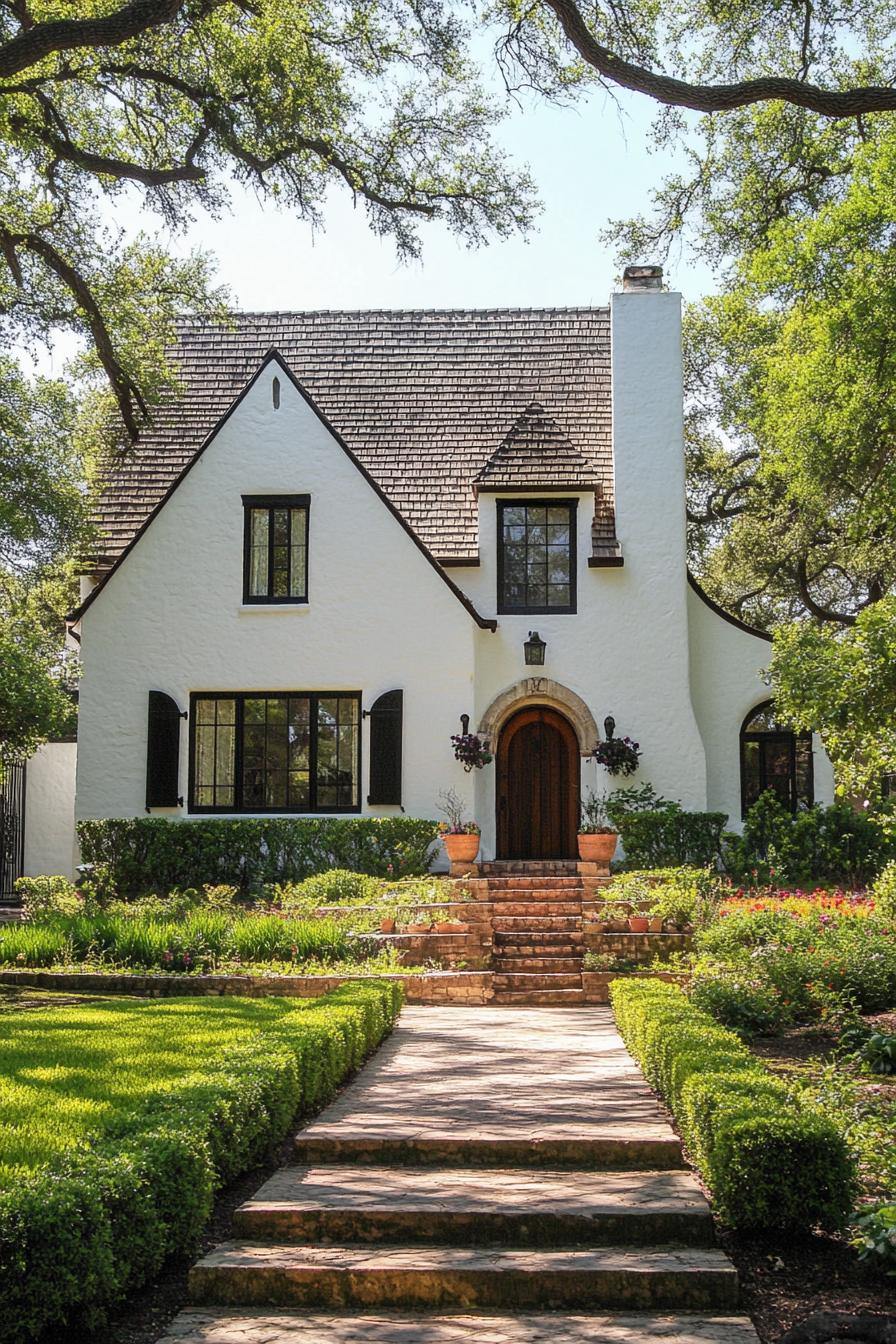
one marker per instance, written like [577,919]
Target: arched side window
[773,756]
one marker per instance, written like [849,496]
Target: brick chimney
[638,278]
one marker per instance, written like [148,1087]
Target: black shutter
[385,748]
[162,751]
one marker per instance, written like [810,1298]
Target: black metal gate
[12,826]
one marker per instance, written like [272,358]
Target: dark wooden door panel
[537,786]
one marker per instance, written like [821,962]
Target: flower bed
[154,1107]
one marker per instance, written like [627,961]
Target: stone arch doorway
[537,785]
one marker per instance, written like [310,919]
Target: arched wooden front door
[537,786]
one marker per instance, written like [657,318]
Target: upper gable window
[275,559]
[537,556]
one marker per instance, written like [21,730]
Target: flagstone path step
[258,1274]
[498,1086]
[545,937]
[545,997]
[203,1325]
[520,1208]
[438,1184]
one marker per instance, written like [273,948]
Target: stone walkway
[487,1166]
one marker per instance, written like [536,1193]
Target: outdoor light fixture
[534,647]
[609,726]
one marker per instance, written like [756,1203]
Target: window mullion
[312,753]
[238,754]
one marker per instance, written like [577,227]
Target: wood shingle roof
[424,399]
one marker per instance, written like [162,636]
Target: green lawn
[119,1120]
[72,1075]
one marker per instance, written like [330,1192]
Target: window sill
[267,608]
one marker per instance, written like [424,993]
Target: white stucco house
[338,542]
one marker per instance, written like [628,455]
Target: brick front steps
[391,1229]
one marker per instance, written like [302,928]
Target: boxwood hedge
[78,1233]
[135,855]
[770,1159]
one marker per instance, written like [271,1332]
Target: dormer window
[275,560]
[536,556]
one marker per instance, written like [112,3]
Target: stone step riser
[505,958]
[541,998]
[527,981]
[538,909]
[536,924]
[472,1289]
[536,1228]
[604,1154]
[538,966]
[512,937]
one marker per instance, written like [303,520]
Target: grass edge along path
[77,1236]
[770,1159]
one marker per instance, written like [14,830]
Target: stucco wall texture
[641,646]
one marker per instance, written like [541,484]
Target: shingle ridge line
[196,321]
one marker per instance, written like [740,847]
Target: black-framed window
[275,751]
[773,756]
[275,548]
[537,555]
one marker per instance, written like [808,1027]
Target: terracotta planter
[618,926]
[637,923]
[387,926]
[655,924]
[418,928]
[450,926]
[597,847]
[599,925]
[461,848]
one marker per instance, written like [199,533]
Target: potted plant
[420,922]
[460,837]
[597,835]
[637,923]
[655,924]
[471,750]
[617,918]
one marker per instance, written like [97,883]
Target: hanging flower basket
[618,755]
[471,750]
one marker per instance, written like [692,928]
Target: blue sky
[591,163]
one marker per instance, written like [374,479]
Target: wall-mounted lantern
[534,648]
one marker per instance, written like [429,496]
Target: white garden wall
[50,845]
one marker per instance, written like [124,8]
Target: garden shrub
[744,1003]
[134,855]
[770,1158]
[820,844]
[42,896]
[339,886]
[97,1221]
[883,891]
[668,836]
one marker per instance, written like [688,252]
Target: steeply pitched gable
[422,399]
[536,455]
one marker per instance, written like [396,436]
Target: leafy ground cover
[314,927]
[120,1121]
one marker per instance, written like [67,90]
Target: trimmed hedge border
[136,855]
[770,1160]
[76,1239]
